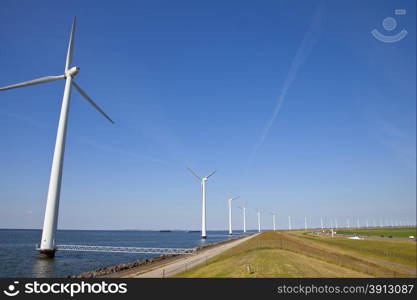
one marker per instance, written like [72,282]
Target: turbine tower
[47,245]
[259,220]
[243,208]
[203,205]
[348,223]
[273,221]
[289,223]
[305,223]
[229,201]
[321,223]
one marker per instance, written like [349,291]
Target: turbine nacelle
[72,72]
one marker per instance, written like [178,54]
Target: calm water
[18,257]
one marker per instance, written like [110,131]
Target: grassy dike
[382,232]
[303,254]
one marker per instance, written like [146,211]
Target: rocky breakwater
[122,267]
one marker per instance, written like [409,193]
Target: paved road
[178,266]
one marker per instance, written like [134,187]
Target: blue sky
[299,108]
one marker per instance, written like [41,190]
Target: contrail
[307,44]
[123,152]
[24,119]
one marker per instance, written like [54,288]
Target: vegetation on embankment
[302,254]
[385,232]
[389,250]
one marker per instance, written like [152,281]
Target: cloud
[303,51]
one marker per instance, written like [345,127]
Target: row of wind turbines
[203,181]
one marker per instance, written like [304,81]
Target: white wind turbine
[229,201]
[259,220]
[273,220]
[47,245]
[305,223]
[203,206]
[243,208]
[289,223]
[321,223]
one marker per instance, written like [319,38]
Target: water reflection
[43,267]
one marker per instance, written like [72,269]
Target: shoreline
[148,264]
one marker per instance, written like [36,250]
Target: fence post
[248,269]
[163,273]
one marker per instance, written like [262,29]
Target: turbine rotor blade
[89,100]
[194,173]
[70,46]
[211,174]
[32,82]
[234,198]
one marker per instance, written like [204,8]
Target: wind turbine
[305,223]
[335,223]
[289,223]
[47,245]
[258,212]
[273,220]
[203,206]
[229,201]
[321,223]
[244,217]
[348,224]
